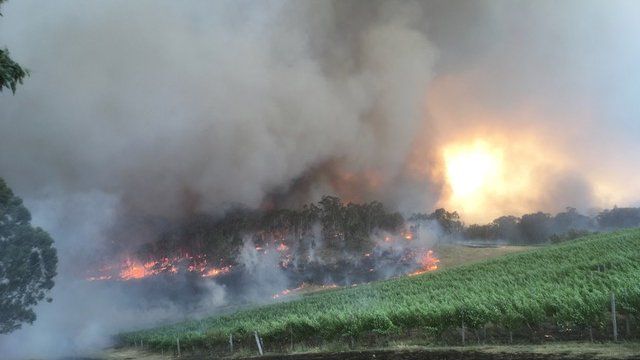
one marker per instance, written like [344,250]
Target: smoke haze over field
[165,108]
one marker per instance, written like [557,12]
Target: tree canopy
[11,73]
[28,262]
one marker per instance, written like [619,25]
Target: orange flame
[429,262]
[282,247]
[134,269]
[213,272]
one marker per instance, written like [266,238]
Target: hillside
[456,255]
[563,290]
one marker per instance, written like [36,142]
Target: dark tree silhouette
[449,222]
[618,218]
[535,228]
[11,74]
[28,263]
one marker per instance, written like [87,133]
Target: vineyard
[559,289]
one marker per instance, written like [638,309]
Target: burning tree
[318,243]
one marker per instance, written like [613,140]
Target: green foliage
[567,283]
[11,74]
[28,262]
[535,227]
[569,235]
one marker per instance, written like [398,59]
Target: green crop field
[567,285]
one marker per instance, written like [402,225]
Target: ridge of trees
[330,225]
[346,229]
[540,227]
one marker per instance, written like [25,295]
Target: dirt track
[431,355]
[558,351]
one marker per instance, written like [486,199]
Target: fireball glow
[471,170]
[492,175]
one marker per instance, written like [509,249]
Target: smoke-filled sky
[169,107]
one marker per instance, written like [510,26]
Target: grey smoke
[84,315]
[165,107]
[263,276]
[225,106]
[172,107]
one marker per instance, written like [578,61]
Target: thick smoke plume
[177,111]
[140,113]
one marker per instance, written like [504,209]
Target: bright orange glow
[492,175]
[472,169]
[134,269]
[213,272]
[429,262]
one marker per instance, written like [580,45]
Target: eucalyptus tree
[11,73]
[28,263]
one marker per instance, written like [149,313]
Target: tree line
[342,230]
[330,225]
[540,227]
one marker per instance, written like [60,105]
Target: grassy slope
[456,255]
[565,283]
[449,256]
